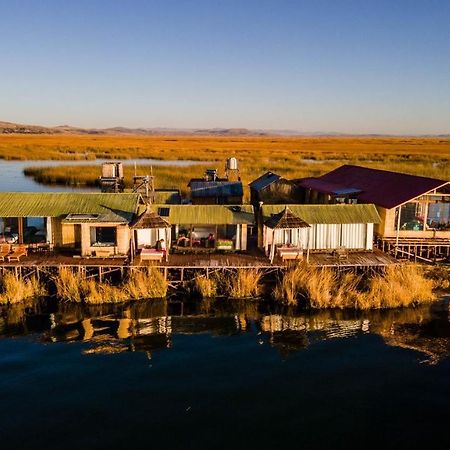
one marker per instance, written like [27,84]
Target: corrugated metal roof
[108,207]
[264,181]
[216,188]
[381,187]
[327,214]
[208,214]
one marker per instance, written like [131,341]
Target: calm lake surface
[223,375]
[13,179]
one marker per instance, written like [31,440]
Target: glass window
[35,230]
[411,216]
[439,215]
[103,236]
[9,230]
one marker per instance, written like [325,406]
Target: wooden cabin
[414,211]
[207,227]
[87,224]
[291,230]
[273,189]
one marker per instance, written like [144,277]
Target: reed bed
[15,290]
[291,157]
[203,148]
[243,283]
[74,287]
[399,286]
[205,287]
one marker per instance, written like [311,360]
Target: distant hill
[17,128]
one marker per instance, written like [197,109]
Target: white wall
[358,236]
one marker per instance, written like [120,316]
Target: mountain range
[17,128]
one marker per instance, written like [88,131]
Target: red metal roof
[381,187]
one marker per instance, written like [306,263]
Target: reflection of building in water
[149,326]
[293,333]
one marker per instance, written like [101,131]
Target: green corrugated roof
[314,214]
[109,207]
[207,214]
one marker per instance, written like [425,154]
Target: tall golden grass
[242,283]
[399,286]
[202,148]
[205,287]
[291,157]
[75,287]
[14,289]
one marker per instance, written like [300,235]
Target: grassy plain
[292,157]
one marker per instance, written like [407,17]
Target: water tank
[112,170]
[232,164]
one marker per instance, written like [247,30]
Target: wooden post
[20,229]
[272,249]
[398,227]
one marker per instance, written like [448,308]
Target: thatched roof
[327,214]
[206,214]
[87,206]
[149,219]
[286,220]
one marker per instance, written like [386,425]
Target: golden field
[292,157]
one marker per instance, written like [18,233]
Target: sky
[332,66]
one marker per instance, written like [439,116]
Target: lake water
[13,179]
[224,375]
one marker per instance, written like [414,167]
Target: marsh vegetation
[399,286]
[291,157]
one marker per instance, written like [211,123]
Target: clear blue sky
[348,66]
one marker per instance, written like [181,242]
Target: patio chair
[17,253]
[4,251]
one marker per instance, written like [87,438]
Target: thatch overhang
[75,207]
[149,219]
[206,214]
[286,220]
[327,214]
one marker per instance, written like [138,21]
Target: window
[103,236]
[35,230]
[439,215]
[164,212]
[411,216]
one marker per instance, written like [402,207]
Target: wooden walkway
[361,259]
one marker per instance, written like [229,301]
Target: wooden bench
[18,252]
[104,252]
[151,254]
[5,249]
[290,253]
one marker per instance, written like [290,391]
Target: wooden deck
[361,259]
[376,258]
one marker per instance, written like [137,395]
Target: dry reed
[291,157]
[146,284]
[399,286]
[15,290]
[243,283]
[205,287]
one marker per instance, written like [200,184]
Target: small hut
[288,232]
[149,229]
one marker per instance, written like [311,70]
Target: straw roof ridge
[286,219]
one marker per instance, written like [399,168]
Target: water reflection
[151,326]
